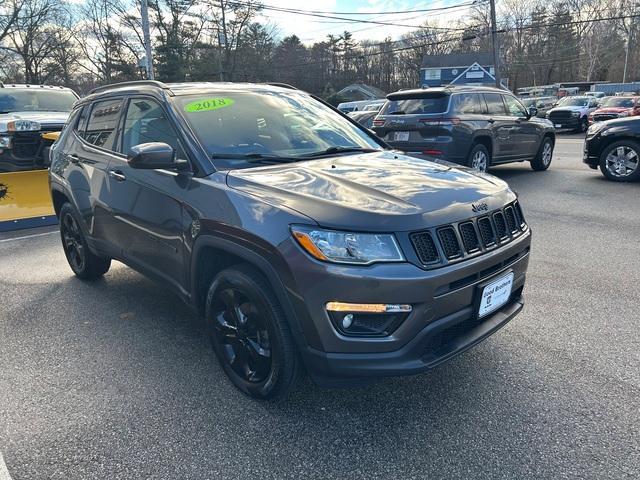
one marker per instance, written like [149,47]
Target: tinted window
[514,107]
[495,105]
[412,106]
[103,123]
[468,103]
[146,122]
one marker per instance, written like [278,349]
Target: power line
[453,39]
[294,11]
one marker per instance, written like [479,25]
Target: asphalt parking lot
[115,379]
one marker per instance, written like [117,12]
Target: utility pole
[626,58]
[147,37]
[494,41]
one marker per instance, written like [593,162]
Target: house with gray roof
[457,69]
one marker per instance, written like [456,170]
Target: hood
[568,108]
[612,110]
[381,191]
[43,118]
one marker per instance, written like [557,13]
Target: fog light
[368,307]
[347,320]
[367,319]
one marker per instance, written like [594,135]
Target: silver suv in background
[473,126]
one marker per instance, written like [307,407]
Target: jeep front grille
[425,247]
[450,243]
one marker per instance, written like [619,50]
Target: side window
[514,107]
[70,125]
[146,122]
[467,103]
[495,105]
[102,124]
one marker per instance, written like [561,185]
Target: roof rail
[283,85]
[153,83]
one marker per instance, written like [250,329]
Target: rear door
[503,128]
[411,122]
[91,150]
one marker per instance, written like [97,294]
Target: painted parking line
[14,239]
[4,471]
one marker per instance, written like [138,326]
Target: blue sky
[311,29]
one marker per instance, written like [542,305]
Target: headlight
[347,247]
[623,114]
[22,126]
[5,142]
[595,128]
[575,114]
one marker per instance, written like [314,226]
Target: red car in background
[616,107]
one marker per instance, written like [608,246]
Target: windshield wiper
[255,157]
[334,150]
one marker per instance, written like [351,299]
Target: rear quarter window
[416,106]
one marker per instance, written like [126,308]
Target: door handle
[73,158]
[117,175]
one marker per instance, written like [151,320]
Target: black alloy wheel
[84,263]
[250,334]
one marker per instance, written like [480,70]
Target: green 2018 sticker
[208,104]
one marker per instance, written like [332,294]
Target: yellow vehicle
[25,201]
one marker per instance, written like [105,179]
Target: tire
[543,158]
[84,263]
[474,160]
[584,125]
[618,157]
[250,334]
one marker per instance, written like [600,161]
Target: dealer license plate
[401,136]
[557,125]
[495,295]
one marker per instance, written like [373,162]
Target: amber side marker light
[309,246]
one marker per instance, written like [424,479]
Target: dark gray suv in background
[473,126]
[305,243]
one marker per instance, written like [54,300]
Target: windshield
[618,102]
[239,127]
[574,102]
[529,102]
[31,100]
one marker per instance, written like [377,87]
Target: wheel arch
[212,254]
[482,139]
[613,139]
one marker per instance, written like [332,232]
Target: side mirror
[154,155]
[533,111]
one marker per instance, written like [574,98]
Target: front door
[149,202]
[527,135]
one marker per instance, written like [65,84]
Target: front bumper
[443,322]
[436,343]
[572,123]
[591,151]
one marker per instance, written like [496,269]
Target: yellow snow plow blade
[25,201]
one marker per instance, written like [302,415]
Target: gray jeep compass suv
[473,126]
[305,243]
